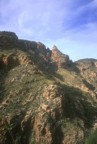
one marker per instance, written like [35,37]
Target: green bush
[93,138]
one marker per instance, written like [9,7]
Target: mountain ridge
[44,96]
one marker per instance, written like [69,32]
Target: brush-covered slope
[44,97]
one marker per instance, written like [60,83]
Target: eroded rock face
[88,70]
[10,61]
[46,58]
[60,59]
[49,112]
[85,64]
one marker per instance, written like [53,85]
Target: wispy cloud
[68,23]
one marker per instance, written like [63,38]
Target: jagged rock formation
[45,57]
[60,59]
[44,96]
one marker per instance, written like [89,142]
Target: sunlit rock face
[60,59]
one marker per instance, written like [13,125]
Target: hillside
[45,98]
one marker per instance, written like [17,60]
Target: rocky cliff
[45,98]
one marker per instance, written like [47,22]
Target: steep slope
[88,70]
[44,98]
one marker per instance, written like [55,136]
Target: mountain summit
[45,98]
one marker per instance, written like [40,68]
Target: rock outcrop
[88,70]
[9,35]
[8,40]
[59,59]
[45,56]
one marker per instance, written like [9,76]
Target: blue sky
[71,25]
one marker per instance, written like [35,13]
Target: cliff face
[44,96]
[60,59]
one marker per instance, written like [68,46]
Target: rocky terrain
[45,98]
